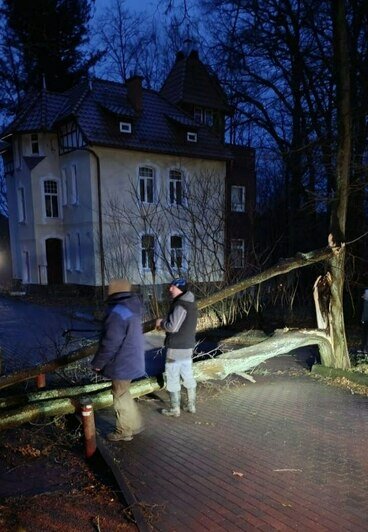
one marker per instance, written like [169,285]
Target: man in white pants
[180,326]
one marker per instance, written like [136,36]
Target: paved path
[286,453]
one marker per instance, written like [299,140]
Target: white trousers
[175,371]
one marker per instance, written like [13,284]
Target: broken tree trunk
[218,368]
[343,168]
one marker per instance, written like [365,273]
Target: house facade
[112,179]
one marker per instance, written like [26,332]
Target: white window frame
[52,195]
[237,198]
[74,193]
[21,200]
[192,136]
[144,180]
[237,253]
[174,181]
[125,127]
[144,253]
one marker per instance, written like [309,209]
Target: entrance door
[54,257]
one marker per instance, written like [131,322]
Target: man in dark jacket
[180,326]
[120,356]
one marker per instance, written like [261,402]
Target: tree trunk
[338,219]
[23,399]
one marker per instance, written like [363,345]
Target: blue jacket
[121,351]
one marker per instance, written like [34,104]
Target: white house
[111,179]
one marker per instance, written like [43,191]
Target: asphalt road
[31,334]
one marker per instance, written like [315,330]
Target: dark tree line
[276,59]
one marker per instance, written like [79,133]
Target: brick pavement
[286,453]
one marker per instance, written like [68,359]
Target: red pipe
[89,429]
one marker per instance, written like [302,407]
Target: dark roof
[192,82]
[37,113]
[98,106]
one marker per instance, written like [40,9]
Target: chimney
[135,95]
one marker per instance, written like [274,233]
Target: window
[51,199]
[191,136]
[237,199]
[176,187]
[35,148]
[125,127]
[237,253]
[148,252]
[176,252]
[203,116]
[146,184]
[21,205]
[64,179]
[68,262]
[74,188]
[78,254]
[70,137]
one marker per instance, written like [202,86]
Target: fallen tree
[283,266]
[33,397]
[233,362]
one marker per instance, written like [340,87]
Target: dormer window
[208,117]
[203,116]
[191,136]
[198,115]
[125,127]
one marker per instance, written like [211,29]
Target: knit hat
[180,283]
[119,285]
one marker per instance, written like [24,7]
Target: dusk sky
[133,5]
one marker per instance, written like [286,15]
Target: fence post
[89,429]
[41,381]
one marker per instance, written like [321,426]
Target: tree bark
[338,219]
[23,399]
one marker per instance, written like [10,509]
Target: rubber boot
[174,409]
[191,404]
